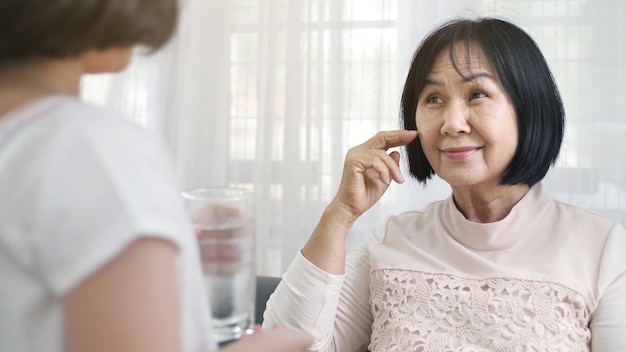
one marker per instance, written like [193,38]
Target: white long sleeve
[311,299]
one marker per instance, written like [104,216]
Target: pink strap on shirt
[23,115]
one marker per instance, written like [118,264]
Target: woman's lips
[460,153]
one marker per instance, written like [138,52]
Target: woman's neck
[488,205]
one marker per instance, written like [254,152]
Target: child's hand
[278,339]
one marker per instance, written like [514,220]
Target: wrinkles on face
[467,124]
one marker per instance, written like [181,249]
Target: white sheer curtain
[270,94]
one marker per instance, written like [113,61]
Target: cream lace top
[548,277]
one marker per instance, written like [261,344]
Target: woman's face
[467,124]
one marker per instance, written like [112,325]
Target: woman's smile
[460,153]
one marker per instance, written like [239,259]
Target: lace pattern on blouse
[416,311]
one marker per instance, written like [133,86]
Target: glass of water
[223,220]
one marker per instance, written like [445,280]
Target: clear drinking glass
[223,220]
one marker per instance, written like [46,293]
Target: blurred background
[270,94]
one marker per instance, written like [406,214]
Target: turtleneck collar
[499,234]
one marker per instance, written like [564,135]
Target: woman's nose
[455,119]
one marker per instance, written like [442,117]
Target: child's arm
[131,304]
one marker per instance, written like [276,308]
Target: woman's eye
[476,95]
[434,100]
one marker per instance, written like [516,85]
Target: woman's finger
[385,165]
[393,163]
[390,139]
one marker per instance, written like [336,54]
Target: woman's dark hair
[526,78]
[65,28]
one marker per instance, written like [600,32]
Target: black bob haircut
[33,29]
[526,78]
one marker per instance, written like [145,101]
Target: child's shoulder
[74,118]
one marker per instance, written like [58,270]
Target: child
[96,252]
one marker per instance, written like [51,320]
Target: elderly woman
[498,266]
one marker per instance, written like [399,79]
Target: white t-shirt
[547,277]
[78,185]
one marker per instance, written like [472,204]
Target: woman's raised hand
[369,169]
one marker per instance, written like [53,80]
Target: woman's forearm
[326,246]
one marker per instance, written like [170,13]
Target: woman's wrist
[339,215]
